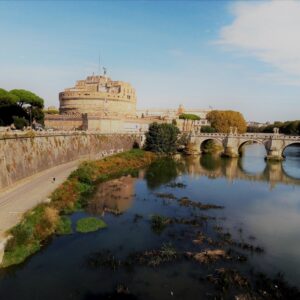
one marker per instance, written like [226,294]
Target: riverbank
[43,221]
[26,194]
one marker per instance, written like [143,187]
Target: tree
[7,98]
[222,120]
[162,138]
[20,103]
[9,108]
[189,117]
[287,127]
[28,98]
[290,127]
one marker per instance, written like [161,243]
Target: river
[261,207]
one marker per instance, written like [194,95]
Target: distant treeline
[288,127]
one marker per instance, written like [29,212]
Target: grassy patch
[90,224]
[19,253]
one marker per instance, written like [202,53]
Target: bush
[162,138]
[20,123]
[84,174]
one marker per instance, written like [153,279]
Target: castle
[101,104]
[99,96]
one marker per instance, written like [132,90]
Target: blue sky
[195,53]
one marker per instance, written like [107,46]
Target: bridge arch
[208,142]
[292,143]
[249,142]
[256,172]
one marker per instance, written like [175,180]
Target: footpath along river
[156,226]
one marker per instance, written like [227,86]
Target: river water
[261,206]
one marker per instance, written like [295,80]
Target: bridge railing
[248,135]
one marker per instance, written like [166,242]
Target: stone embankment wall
[27,154]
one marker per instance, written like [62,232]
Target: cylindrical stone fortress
[99,96]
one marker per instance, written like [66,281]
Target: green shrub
[84,173]
[20,123]
[162,138]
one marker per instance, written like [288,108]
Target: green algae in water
[90,224]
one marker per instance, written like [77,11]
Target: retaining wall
[27,154]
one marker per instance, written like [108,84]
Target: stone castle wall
[64,122]
[94,105]
[23,156]
[99,96]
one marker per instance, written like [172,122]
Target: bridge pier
[275,148]
[230,152]
[231,146]
[192,149]
[274,155]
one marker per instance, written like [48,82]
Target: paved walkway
[24,195]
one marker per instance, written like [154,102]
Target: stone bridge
[232,143]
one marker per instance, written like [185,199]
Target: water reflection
[251,167]
[162,171]
[114,196]
[291,164]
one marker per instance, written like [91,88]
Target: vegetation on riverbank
[162,138]
[47,219]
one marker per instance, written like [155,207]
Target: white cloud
[269,31]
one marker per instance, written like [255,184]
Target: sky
[239,55]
